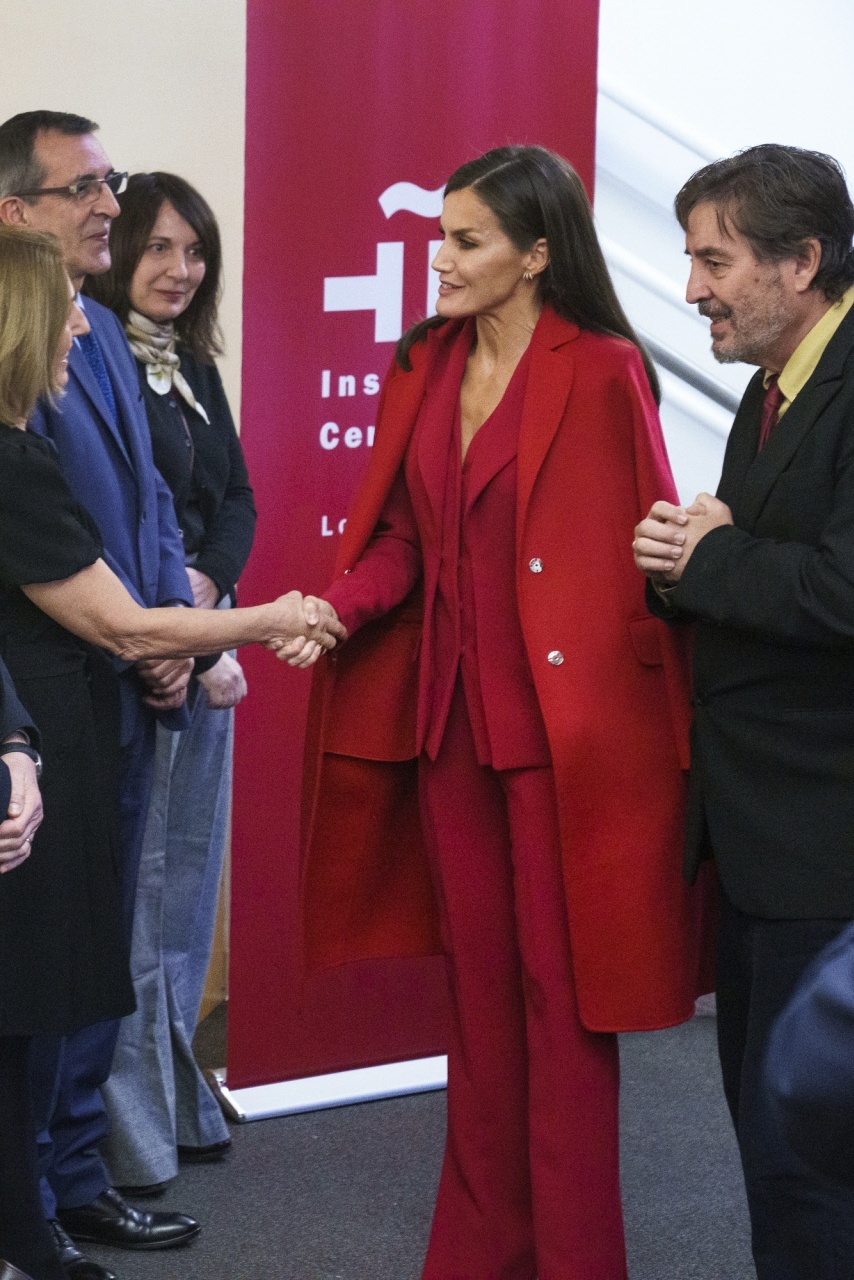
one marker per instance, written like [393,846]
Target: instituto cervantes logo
[381,293]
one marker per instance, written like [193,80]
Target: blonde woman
[63,963]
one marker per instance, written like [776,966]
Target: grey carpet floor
[347,1194]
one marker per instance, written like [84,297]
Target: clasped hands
[305,628]
[665,540]
[24,815]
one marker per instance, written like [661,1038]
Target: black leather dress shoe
[8,1272]
[74,1263]
[111,1220]
[204,1155]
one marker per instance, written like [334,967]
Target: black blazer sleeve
[784,571]
[787,591]
[231,529]
[13,714]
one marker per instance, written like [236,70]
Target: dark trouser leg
[529,1184]
[25,1240]
[802,1224]
[71,1116]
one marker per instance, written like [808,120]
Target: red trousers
[530,1184]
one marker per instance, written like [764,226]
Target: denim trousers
[156,1096]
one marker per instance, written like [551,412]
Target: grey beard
[740,355]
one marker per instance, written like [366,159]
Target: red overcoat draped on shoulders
[612,682]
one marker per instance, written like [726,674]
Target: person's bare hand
[665,540]
[24,815]
[659,541]
[704,514]
[224,683]
[205,590]
[707,512]
[166,680]
[320,630]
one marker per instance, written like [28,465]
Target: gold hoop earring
[528,275]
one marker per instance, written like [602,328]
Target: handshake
[302,628]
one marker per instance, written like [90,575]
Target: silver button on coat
[555,657]
[535,565]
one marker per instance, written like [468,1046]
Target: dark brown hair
[141,202]
[535,195]
[19,168]
[777,197]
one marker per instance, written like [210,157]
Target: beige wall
[165,79]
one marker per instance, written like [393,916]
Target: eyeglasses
[84,190]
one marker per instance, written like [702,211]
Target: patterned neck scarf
[154,345]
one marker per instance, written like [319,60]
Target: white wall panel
[720,76]
[165,79]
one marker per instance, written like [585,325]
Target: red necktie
[770,410]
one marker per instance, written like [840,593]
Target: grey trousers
[156,1096]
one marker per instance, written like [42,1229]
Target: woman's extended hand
[312,628]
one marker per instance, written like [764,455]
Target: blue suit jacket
[810,1063]
[111,472]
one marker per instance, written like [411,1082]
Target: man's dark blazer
[810,1064]
[773,601]
[110,470]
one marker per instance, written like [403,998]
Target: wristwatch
[7,747]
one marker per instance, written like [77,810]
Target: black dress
[63,960]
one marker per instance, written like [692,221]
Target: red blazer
[612,683]
[447,525]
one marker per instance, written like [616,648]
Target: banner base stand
[338,1089]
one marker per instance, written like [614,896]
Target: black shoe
[8,1272]
[73,1261]
[204,1155]
[111,1220]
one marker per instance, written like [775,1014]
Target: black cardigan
[209,481]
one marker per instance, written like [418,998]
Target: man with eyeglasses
[55,176]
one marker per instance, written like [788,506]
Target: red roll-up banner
[357,111]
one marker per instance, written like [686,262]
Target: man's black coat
[773,600]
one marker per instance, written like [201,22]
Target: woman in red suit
[501,652]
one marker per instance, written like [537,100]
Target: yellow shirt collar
[802,363]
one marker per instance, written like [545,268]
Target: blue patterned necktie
[91,348]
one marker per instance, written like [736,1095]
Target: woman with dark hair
[63,960]
[164,284]
[502,659]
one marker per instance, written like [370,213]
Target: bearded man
[766,572]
